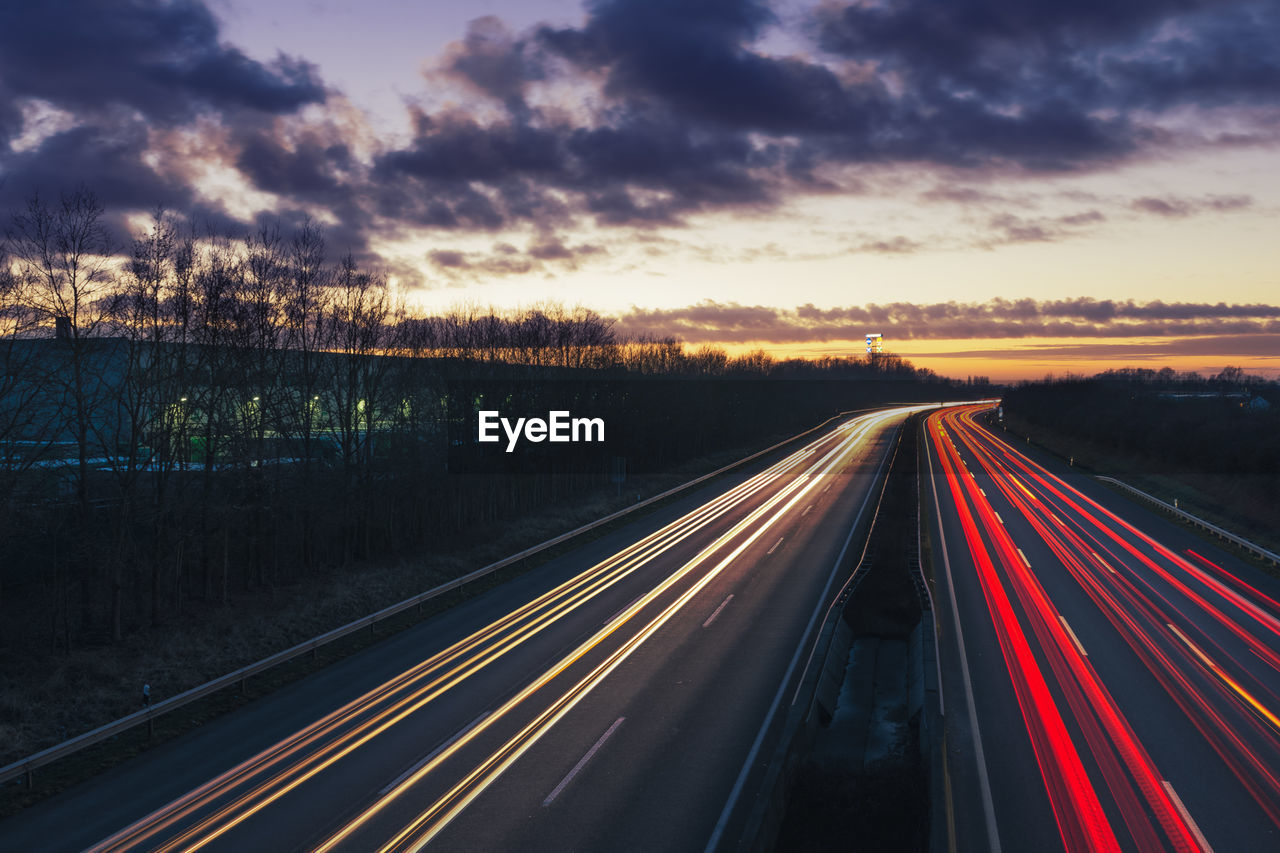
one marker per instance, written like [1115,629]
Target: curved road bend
[1125,674]
[606,701]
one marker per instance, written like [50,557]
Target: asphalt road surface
[612,699]
[1111,681]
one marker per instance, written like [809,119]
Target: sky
[1000,187]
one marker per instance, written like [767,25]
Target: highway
[615,698]
[1111,681]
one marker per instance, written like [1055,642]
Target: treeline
[192,416]
[1163,422]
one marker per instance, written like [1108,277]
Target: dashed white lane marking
[716,613]
[582,762]
[1186,815]
[1073,636]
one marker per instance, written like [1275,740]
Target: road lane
[665,619]
[1123,679]
[693,701]
[510,671]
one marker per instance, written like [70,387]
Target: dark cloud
[688,112]
[308,169]
[1009,228]
[640,170]
[312,166]
[961,194]
[1097,53]
[1170,207]
[125,71]
[1224,53]
[893,246]
[1175,207]
[164,60]
[1088,217]
[697,61]
[695,58]
[552,249]
[1028,81]
[1015,229]
[998,318]
[1227,202]
[494,61]
[10,115]
[107,159]
[545,253]
[448,259]
[695,117]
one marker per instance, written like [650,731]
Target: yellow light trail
[1213,667]
[577,589]
[471,654]
[449,805]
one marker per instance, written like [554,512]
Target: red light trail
[1157,600]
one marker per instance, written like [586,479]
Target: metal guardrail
[1252,548]
[26,766]
[933,740]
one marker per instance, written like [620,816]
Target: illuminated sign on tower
[875,343]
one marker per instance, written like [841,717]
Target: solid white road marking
[1194,648]
[716,613]
[582,762]
[984,782]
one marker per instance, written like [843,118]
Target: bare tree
[306,299]
[67,264]
[306,312]
[359,320]
[27,420]
[215,397]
